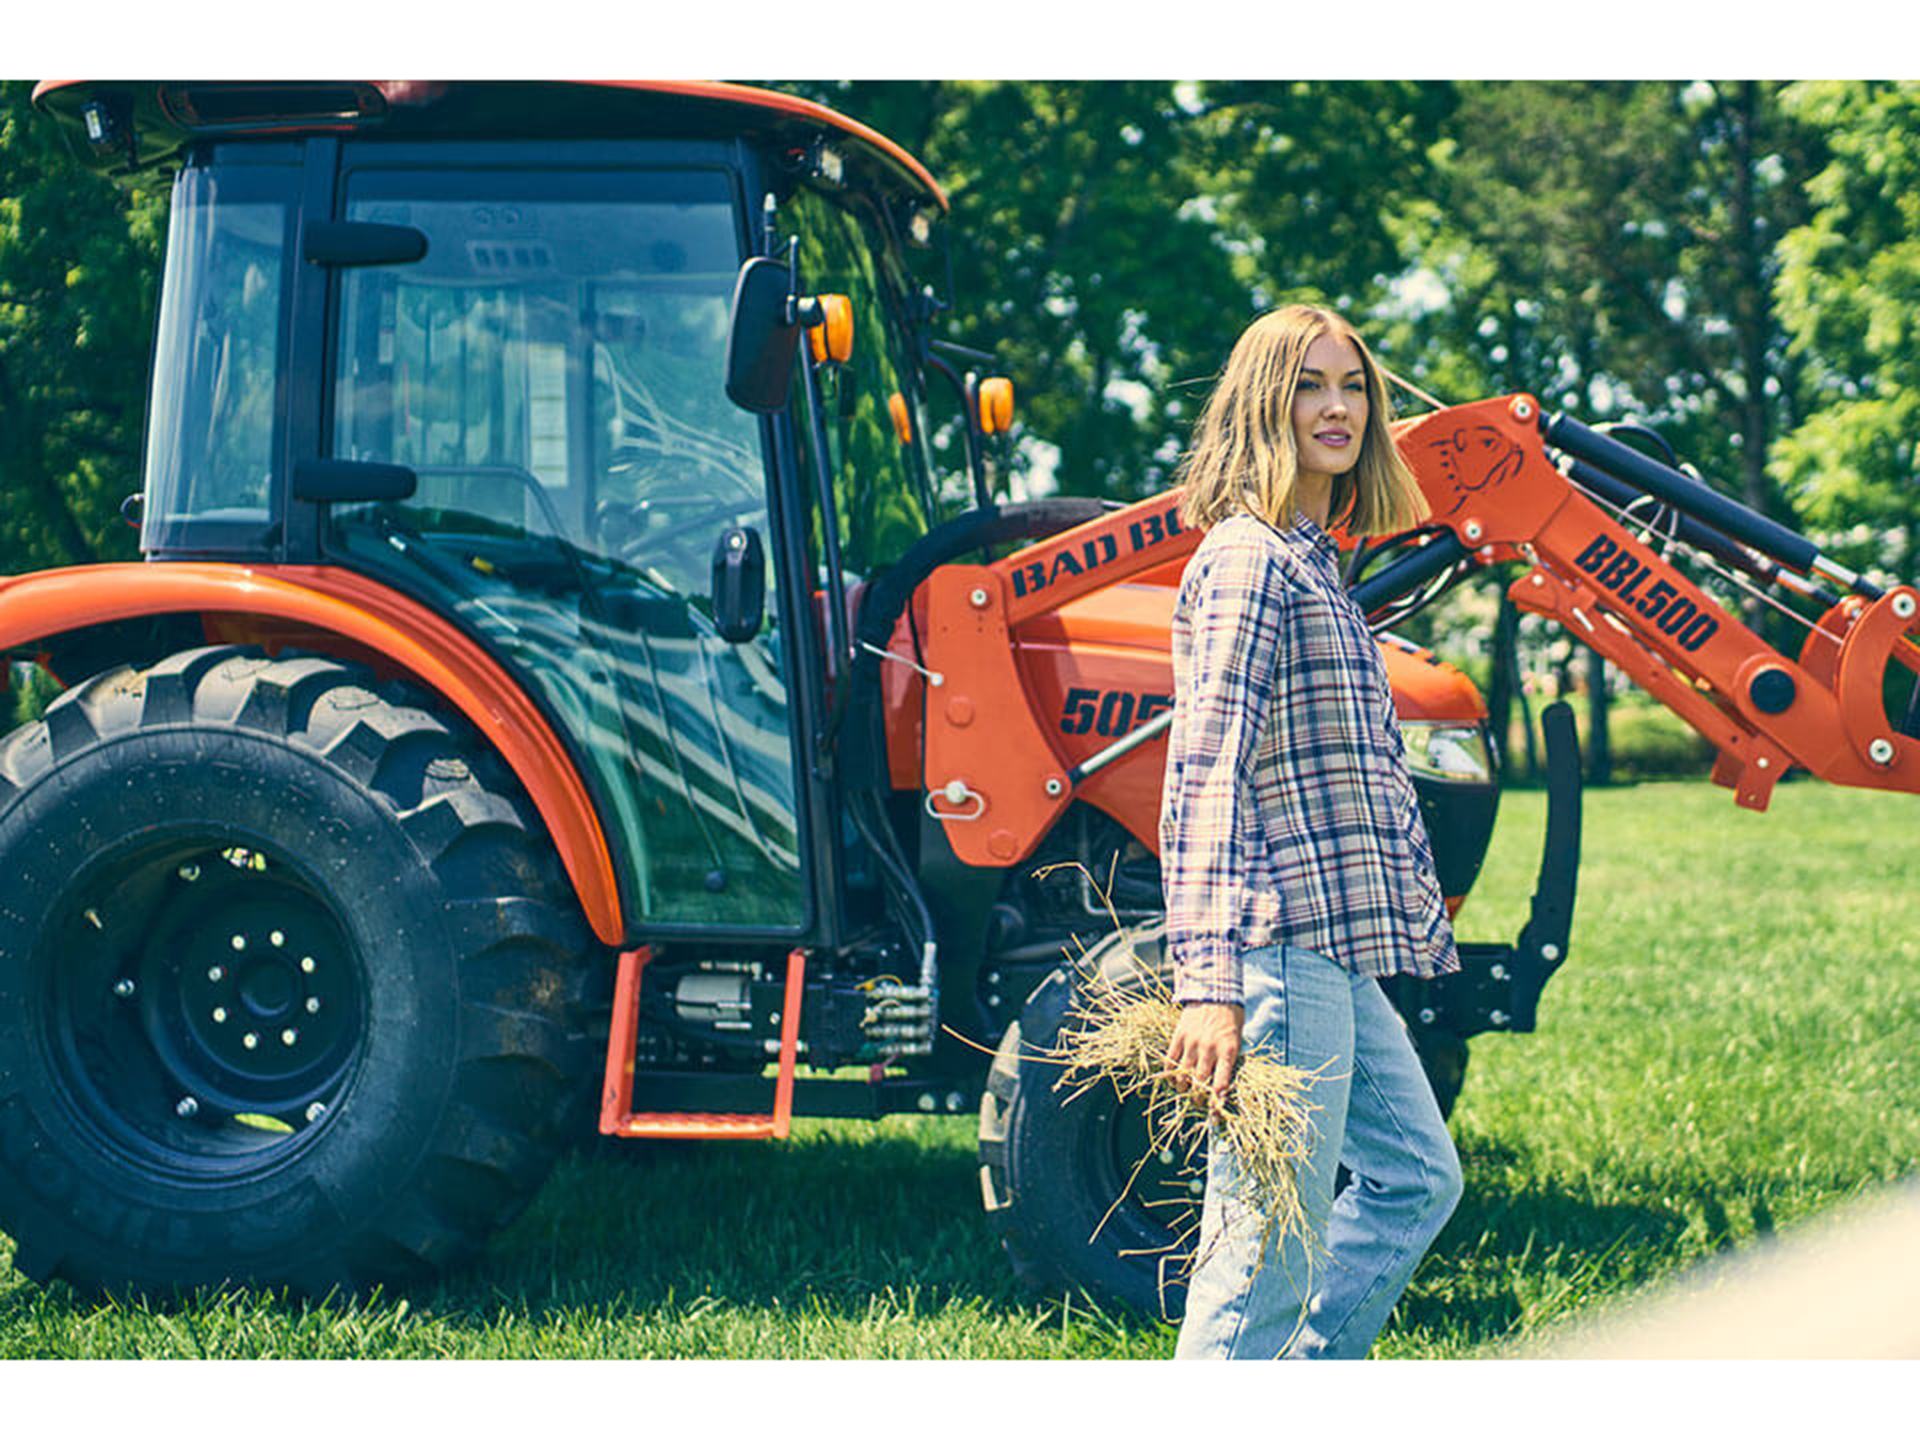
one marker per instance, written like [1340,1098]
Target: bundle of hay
[1118,1032]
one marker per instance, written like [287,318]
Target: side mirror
[739,584]
[761,341]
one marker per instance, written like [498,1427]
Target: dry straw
[1117,1032]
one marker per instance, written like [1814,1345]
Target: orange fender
[291,600]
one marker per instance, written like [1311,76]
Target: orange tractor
[560,662]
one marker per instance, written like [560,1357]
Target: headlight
[1447,750]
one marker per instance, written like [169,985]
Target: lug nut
[250,1040]
[315,1111]
[239,942]
[306,965]
[123,988]
[187,1108]
[313,1005]
[278,938]
[288,1037]
[216,974]
[219,1014]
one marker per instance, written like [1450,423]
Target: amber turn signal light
[902,417]
[832,338]
[996,405]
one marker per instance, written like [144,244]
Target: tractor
[563,679]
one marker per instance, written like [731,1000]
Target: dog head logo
[1476,458]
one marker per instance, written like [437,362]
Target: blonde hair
[1243,455]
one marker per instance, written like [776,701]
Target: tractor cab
[470,341]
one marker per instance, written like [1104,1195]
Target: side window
[882,487]
[215,416]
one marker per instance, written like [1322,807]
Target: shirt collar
[1307,536]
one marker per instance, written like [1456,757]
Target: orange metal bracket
[993,773]
[616,1099]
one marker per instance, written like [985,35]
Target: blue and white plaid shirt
[1288,815]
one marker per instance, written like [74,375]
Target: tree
[1849,289]
[1610,247]
[1113,238]
[79,272]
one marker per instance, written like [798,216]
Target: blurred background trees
[79,273]
[1736,264]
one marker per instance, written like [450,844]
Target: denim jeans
[1326,1297]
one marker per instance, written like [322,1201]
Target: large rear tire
[287,972]
[1055,1159]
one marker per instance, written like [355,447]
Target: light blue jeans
[1328,1296]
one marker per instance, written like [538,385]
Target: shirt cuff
[1208,973]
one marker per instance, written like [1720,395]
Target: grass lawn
[1733,1045]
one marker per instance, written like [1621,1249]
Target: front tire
[1054,1164]
[287,970]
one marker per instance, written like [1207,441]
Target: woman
[1295,862]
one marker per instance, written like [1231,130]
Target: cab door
[551,369]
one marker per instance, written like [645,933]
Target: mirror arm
[837,634]
[976,462]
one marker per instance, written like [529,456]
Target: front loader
[561,678]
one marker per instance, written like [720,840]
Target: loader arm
[1606,578]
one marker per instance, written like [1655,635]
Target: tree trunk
[1599,746]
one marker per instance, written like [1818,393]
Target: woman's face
[1329,409]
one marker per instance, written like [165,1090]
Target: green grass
[1732,1047]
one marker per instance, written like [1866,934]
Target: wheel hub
[250,1000]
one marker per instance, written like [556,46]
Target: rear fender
[353,617]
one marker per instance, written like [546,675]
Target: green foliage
[79,273]
[1849,288]
[31,691]
[1112,238]
[1608,246]
[1652,743]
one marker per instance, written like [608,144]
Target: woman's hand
[1205,1048]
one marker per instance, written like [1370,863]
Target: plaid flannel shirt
[1288,815]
